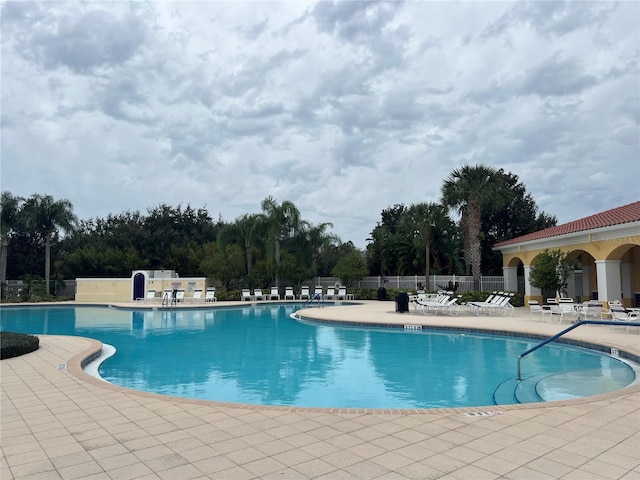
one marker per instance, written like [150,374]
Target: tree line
[479,206]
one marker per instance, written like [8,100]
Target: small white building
[107,290]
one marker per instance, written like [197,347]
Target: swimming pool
[259,355]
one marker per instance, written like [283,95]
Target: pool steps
[512,391]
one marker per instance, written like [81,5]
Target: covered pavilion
[605,246]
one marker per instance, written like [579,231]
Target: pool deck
[58,422]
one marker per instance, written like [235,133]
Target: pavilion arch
[606,244]
[514,275]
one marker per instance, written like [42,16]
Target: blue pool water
[260,355]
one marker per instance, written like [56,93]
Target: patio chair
[258,295]
[210,296]
[503,306]
[427,306]
[180,296]
[342,293]
[331,293]
[288,293]
[304,293]
[535,308]
[274,293]
[493,300]
[564,310]
[590,310]
[246,295]
[151,296]
[450,307]
[317,292]
[197,296]
[619,314]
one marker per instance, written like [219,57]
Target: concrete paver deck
[59,422]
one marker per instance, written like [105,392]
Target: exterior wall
[610,261]
[108,290]
[103,290]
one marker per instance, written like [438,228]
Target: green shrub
[15,344]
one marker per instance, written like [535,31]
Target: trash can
[382,293]
[402,302]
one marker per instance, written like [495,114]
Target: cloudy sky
[344,108]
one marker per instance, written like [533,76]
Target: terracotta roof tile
[616,216]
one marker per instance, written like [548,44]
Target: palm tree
[9,213]
[319,240]
[470,190]
[244,231]
[282,221]
[44,215]
[425,220]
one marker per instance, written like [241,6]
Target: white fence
[413,282]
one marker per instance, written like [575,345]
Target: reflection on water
[260,355]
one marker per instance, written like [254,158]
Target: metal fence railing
[413,282]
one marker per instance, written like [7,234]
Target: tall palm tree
[282,222]
[44,215]
[247,225]
[9,212]
[470,190]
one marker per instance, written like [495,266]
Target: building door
[139,282]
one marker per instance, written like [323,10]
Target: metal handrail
[568,329]
[319,297]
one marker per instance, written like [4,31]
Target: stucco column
[626,274]
[586,284]
[530,290]
[609,285]
[571,285]
[510,275]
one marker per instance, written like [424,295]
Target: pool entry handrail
[318,297]
[568,329]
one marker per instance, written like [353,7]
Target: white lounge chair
[210,295]
[288,293]
[258,295]
[427,306]
[342,293]
[304,293]
[151,296]
[317,292]
[274,293]
[449,307]
[331,293]
[197,296]
[504,306]
[619,314]
[485,306]
[246,295]
[180,296]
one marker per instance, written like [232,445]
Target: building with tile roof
[606,247]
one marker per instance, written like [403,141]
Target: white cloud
[344,108]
